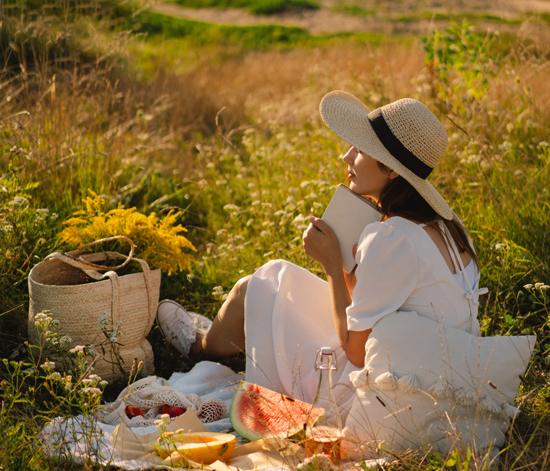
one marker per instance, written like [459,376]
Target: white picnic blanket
[73,440]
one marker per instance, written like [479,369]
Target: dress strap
[451,247]
[473,293]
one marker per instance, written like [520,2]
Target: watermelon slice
[257,412]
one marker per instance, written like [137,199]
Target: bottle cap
[326,351]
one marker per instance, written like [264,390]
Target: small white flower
[255,203]
[79,349]
[103,383]
[231,207]
[539,285]
[48,365]
[264,233]
[94,377]
[19,200]
[298,219]
[528,286]
[91,391]
[92,351]
[55,376]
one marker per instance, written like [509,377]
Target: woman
[418,259]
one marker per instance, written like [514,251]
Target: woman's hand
[321,244]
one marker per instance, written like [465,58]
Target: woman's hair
[400,198]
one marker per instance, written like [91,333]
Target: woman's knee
[239,290]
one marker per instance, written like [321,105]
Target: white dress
[288,310]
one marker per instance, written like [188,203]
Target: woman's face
[365,175]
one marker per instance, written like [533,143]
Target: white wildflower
[506,145]
[255,203]
[19,200]
[48,365]
[103,383]
[91,391]
[528,286]
[55,376]
[103,320]
[79,349]
[95,377]
[92,350]
[539,285]
[265,233]
[298,220]
[231,207]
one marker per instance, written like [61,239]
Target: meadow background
[219,123]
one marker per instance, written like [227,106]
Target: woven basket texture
[78,301]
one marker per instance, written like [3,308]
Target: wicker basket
[68,286]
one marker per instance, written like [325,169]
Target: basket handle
[76,261]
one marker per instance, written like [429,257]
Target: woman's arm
[321,244]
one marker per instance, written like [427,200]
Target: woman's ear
[393,174]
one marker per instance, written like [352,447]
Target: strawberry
[174,411]
[133,411]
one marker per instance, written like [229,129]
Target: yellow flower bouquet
[157,240]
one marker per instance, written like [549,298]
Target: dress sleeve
[387,273]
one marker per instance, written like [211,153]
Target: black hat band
[395,147]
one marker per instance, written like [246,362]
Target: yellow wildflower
[158,240]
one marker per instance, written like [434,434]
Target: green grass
[257,7]
[469,16]
[352,9]
[253,37]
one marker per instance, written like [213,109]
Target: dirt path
[326,21]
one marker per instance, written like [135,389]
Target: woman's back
[400,267]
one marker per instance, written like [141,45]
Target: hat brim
[348,118]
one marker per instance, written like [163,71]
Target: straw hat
[404,135]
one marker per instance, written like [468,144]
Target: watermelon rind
[257,412]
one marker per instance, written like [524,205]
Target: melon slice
[200,447]
[257,412]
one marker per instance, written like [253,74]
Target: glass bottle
[324,426]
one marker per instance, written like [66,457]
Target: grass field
[221,125]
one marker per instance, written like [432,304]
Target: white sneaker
[179,326]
